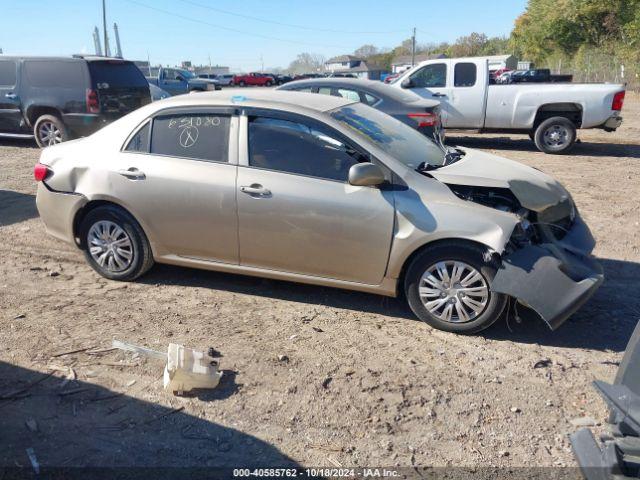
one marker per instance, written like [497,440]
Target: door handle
[255,189]
[438,95]
[132,174]
[11,95]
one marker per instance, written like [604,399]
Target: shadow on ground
[18,142]
[99,428]
[591,149]
[16,207]
[605,323]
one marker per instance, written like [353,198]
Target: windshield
[394,137]
[187,74]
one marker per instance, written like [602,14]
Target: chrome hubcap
[453,291]
[110,246]
[556,136]
[49,134]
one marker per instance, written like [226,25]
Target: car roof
[258,97]
[372,86]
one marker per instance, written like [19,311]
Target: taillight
[424,119]
[618,100]
[93,104]
[41,172]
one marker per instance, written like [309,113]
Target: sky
[244,35]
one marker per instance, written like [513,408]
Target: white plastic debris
[187,369]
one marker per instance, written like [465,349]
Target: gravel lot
[363,383]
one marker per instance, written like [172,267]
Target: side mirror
[407,83]
[366,175]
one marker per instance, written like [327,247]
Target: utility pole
[262,63]
[413,47]
[104,28]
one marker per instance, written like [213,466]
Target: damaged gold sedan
[321,190]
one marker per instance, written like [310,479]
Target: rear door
[121,86]
[297,212]
[10,113]
[177,174]
[467,97]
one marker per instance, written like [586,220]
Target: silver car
[323,190]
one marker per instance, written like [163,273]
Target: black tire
[141,258]
[242,84]
[267,84]
[466,253]
[49,130]
[563,127]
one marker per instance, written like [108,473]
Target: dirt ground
[363,383]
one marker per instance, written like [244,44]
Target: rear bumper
[84,124]
[553,279]
[58,210]
[612,123]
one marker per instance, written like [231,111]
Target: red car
[254,78]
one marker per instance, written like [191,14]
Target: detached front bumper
[554,279]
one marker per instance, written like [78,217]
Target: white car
[550,113]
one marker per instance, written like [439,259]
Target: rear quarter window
[7,73]
[197,136]
[464,75]
[116,74]
[54,74]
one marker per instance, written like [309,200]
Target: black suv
[58,98]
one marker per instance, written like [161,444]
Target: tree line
[597,40]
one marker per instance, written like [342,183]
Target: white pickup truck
[549,112]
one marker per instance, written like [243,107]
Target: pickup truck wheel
[555,135]
[449,287]
[267,84]
[49,130]
[242,84]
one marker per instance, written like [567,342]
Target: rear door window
[115,74]
[7,73]
[431,76]
[349,94]
[196,136]
[464,75]
[54,74]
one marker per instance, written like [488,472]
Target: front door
[431,82]
[297,212]
[182,184]
[10,113]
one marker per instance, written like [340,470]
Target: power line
[195,20]
[282,24]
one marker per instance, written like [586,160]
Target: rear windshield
[397,139]
[116,74]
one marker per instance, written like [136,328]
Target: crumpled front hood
[534,190]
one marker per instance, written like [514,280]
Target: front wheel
[114,244]
[449,287]
[242,84]
[555,135]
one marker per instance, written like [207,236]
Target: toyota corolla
[322,190]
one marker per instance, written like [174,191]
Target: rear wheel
[268,83]
[555,135]
[242,84]
[114,244]
[49,130]
[449,287]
